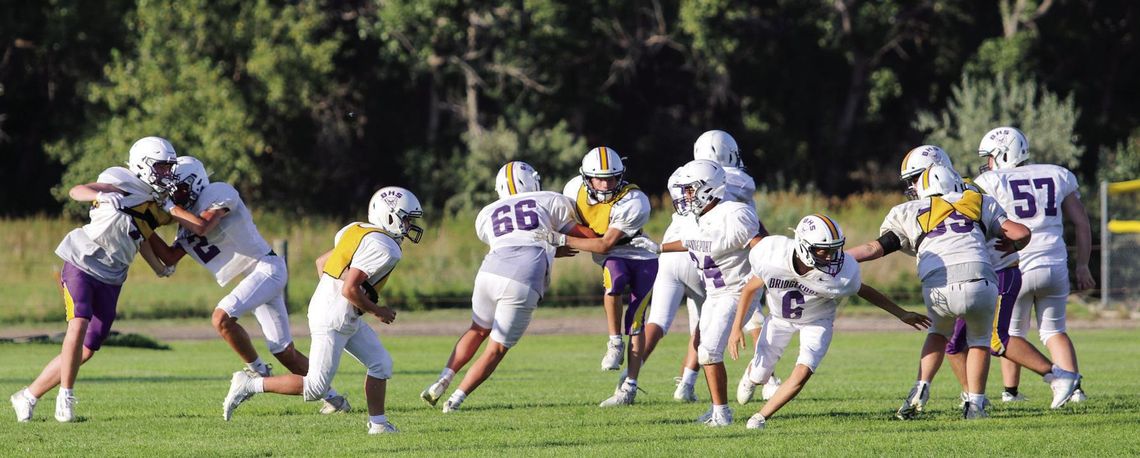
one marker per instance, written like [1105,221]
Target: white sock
[65,392]
[447,375]
[689,377]
[723,408]
[457,396]
[762,418]
[258,385]
[257,365]
[378,419]
[615,338]
[976,399]
[631,381]
[921,384]
[331,394]
[28,395]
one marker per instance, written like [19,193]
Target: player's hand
[916,320]
[1085,279]
[111,199]
[564,252]
[166,272]
[554,238]
[646,244]
[1006,246]
[168,205]
[736,342]
[386,315]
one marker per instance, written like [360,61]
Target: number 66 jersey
[234,246]
[509,225]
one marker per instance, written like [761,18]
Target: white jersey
[1032,195]
[720,246]
[739,186]
[233,247]
[375,254]
[628,214]
[508,227]
[957,240]
[998,258]
[105,247]
[800,298]
[680,227]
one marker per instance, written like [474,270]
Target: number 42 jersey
[233,247]
[508,227]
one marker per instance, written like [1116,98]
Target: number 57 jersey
[233,247]
[1032,195]
[509,225]
[800,298]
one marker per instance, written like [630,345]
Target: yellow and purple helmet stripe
[926,178]
[902,169]
[831,226]
[511,178]
[604,158]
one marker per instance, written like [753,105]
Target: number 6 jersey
[234,245]
[508,227]
[1032,195]
[800,298]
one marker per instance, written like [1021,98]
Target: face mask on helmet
[517,177]
[698,183]
[677,194]
[1006,146]
[819,244]
[395,210]
[191,179]
[606,165]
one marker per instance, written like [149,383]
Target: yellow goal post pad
[1123,187]
[1124,227]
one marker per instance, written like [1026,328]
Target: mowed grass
[542,401]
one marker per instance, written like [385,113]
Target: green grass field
[542,401]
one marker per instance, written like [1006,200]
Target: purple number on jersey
[958,223]
[709,269]
[524,214]
[205,251]
[787,310]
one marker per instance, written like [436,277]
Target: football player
[719,248]
[217,231]
[126,211]
[351,276]
[615,211]
[946,230]
[1039,196]
[807,276]
[512,279]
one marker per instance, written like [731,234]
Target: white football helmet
[819,243]
[919,159]
[517,177]
[153,160]
[393,209]
[701,182]
[718,146]
[938,180]
[1007,145]
[602,162]
[191,179]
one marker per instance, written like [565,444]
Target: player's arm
[1015,236]
[169,255]
[736,340]
[886,244]
[600,245]
[321,260]
[146,250]
[198,224]
[1075,212]
[353,290]
[96,192]
[872,295]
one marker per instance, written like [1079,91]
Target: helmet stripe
[604,157]
[926,178]
[511,178]
[905,159]
[830,225]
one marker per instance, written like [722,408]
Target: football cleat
[22,405]
[623,396]
[433,392]
[241,389]
[756,421]
[615,353]
[451,406]
[745,389]
[770,387]
[1078,396]
[963,398]
[974,411]
[719,419]
[704,418]
[381,428]
[65,408]
[915,403]
[334,404]
[1063,385]
[1009,397]
[684,391]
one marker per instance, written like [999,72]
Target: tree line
[309,106]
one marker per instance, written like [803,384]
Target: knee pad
[382,368]
[228,304]
[706,357]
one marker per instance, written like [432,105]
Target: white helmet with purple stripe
[819,243]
